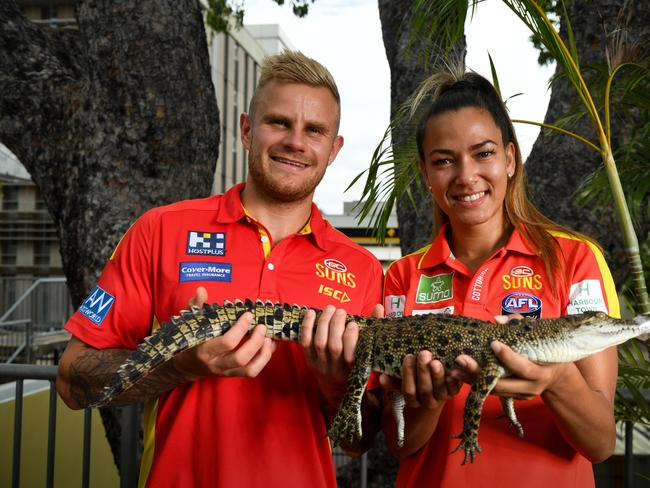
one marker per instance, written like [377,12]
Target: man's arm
[84,371]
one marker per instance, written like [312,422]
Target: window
[41,253]
[10,197]
[8,253]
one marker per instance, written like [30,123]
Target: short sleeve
[118,312]
[591,286]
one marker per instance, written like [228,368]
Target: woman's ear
[511,164]
[423,171]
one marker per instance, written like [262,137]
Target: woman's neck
[473,245]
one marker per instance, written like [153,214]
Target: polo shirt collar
[230,207]
[231,210]
[439,251]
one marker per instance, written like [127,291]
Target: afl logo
[521,271]
[522,303]
[335,265]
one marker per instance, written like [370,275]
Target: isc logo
[522,303]
[338,295]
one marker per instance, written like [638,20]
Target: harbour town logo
[433,289]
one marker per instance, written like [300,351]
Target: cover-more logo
[433,289]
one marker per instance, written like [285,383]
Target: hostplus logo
[206,243]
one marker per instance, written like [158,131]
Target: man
[238,411]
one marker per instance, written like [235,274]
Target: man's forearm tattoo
[93,370]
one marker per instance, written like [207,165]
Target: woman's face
[467,167]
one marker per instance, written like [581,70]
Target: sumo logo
[523,304]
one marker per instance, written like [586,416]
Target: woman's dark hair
[446,92]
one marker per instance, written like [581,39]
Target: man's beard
[275,188]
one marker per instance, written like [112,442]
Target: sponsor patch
[335,265]
[337,272]
[522,277]
[522,303]
[585,296]
[97,305]
[198,271]
[394,305]
[477,289]
[433,289]
[442,311]
[208,243]
[338,295]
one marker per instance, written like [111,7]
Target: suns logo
[335,271]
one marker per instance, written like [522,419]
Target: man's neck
[281,219]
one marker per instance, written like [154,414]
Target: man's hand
[329,347]
[329,343]
[231,354]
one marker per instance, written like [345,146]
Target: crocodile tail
[196,326]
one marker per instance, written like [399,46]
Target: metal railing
[21,372]
[33,318]
[128,467]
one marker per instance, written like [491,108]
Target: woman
[494,254]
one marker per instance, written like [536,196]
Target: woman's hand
[424,381]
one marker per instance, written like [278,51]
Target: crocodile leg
[397,401]
[346,425]
[508,406]
[481,388]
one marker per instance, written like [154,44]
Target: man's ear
[245,130]
[336,147]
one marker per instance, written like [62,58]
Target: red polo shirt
[228,432]
[513,280]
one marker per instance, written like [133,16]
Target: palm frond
[633,381]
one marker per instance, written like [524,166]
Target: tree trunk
[110,117]
[557,164]
[406,73]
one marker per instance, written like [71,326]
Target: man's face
[291,138]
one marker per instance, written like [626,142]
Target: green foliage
[633,379]
[225,15]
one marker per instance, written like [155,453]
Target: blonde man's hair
[295,67]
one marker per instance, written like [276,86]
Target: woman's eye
[442,162]
[485,154]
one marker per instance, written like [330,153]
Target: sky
[345,36]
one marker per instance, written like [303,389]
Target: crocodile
[382,345]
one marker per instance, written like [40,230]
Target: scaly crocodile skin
[382,345]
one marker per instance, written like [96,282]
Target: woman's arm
[580,396]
